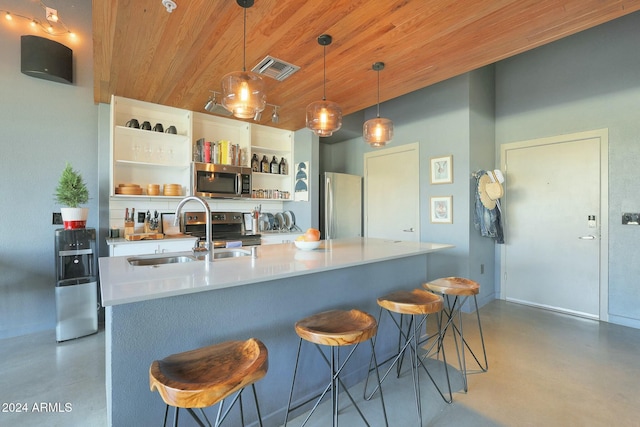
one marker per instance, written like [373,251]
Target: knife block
[129,228]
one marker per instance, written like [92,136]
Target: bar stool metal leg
[416,304]
[333,330]
[459,290]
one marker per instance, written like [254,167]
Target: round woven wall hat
[494,188]
[486,200]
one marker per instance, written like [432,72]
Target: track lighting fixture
[52,25]
[275,117]
[211,102]
[213,106]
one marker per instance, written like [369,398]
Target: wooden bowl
[172,190]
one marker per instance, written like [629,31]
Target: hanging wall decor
[301,190]
[441,170]
[441,210]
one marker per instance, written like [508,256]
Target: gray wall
[453,117]
[588,81]
[44,124]
[306,149]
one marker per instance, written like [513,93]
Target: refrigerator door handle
[329,208]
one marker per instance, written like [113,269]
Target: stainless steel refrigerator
[340,206]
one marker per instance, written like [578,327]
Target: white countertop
[123,283]
[167,238]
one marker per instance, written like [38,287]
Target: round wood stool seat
[418,304]
[453,286]
[416,301]
[205,376]
[337,327]
[329,332]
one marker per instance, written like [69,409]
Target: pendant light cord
[244,41]
[324,75]
[378,114]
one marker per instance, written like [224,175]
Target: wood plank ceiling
[141,51]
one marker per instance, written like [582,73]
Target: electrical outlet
[631,218]
[56,218]
[141,217]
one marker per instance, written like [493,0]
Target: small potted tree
[72,192]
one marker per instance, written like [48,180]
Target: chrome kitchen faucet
[176,221]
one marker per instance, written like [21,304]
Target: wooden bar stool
[459,290]
[335,329]
[418,304]
[205,376]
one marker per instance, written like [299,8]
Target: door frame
[603,136]
[414,146]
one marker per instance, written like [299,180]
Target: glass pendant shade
[324,117]
[243,94]
[377,132]
[243,91]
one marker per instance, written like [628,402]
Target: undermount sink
[155,261]
[160,260]
[230,253]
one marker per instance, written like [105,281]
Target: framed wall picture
[442,210]
[442,170]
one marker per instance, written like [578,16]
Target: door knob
[408,230]
[589,237]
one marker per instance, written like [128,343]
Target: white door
[392,193]
[553,220]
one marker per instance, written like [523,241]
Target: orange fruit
[312,235]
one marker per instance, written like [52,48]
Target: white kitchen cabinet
[145,157]
[275,238]
[214,129]
[124,247]
[268,141]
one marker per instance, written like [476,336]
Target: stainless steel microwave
[221,181]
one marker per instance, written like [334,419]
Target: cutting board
[144,236]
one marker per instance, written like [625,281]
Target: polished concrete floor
[545,369]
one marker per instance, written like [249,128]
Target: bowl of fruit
[309,241]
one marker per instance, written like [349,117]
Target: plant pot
[74,218]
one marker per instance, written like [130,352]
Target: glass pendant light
[379,131]
[324,117]
[243,91]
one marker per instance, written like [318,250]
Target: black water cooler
[76,283]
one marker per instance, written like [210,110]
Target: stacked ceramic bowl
[172,190]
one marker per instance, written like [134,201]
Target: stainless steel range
[227,228]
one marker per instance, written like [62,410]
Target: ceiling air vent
[275,68]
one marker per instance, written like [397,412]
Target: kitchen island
[152,312]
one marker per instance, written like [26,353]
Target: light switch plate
[57,218]
[630,218]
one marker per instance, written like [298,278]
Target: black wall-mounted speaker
[46,59]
